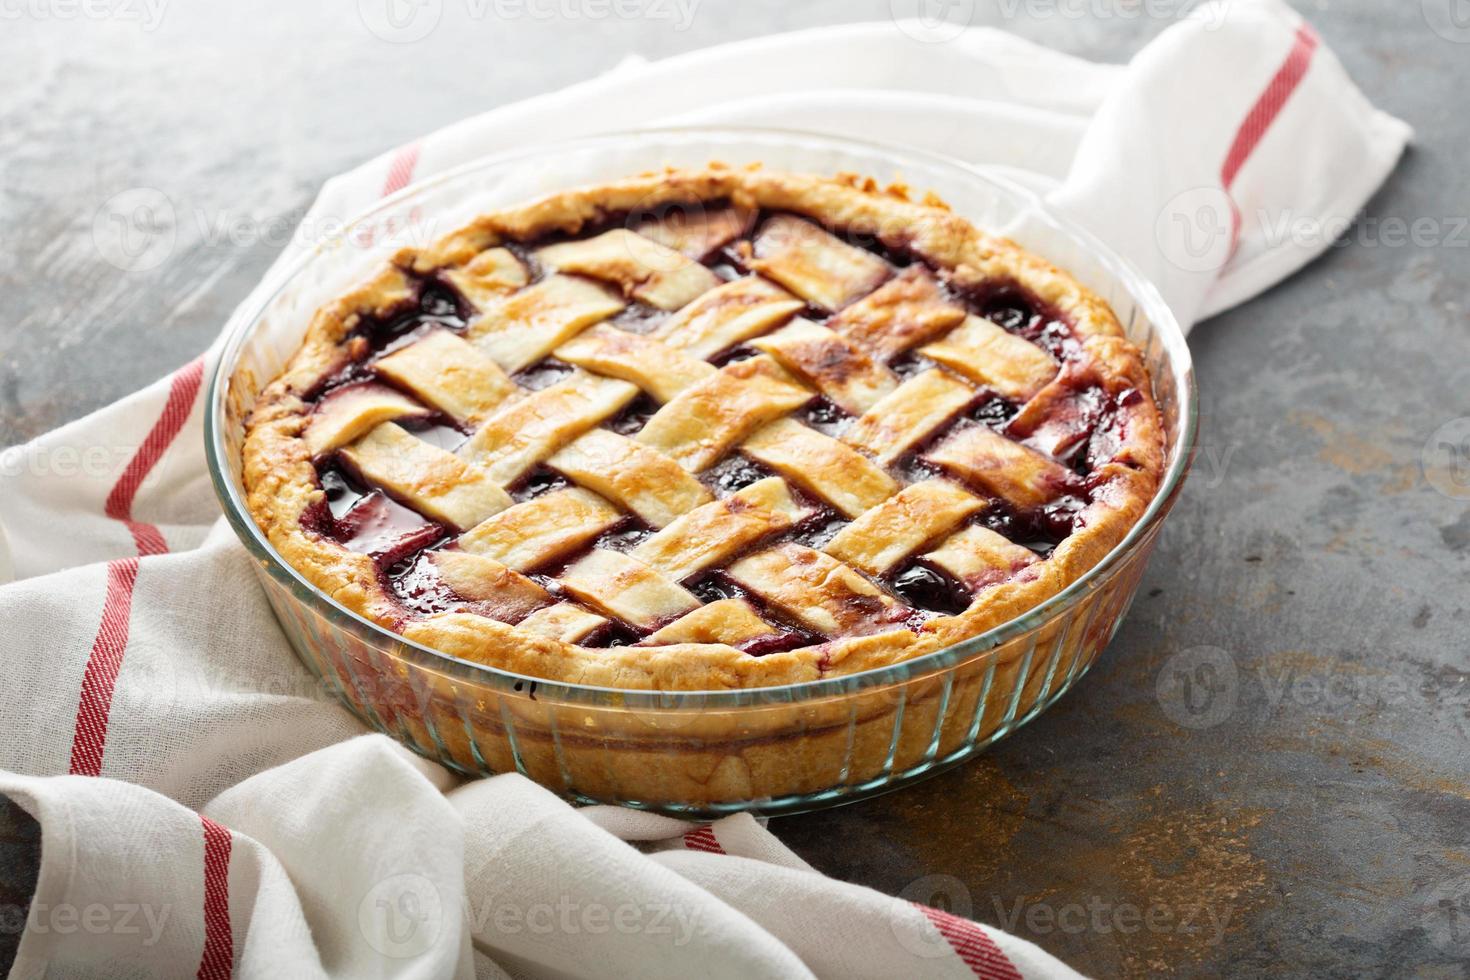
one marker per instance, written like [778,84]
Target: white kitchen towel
[206,811]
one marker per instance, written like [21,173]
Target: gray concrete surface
[1307,812]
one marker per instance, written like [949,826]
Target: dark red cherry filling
[994,411]
[542,374]
[624,536]
[924,586]
[540,480]
[613,633]
[824,416]
[639,319]
[384,529]
[437,305]
[634,416]
[1015,310]
[368,521]
[734,472]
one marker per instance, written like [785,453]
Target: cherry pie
[705,429]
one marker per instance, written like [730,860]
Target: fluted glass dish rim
[232,497]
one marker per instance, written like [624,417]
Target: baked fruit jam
[705,429]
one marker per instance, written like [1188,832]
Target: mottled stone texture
[1311,816]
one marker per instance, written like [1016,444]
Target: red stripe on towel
[218,961]
[1267,107]
[100,677]
[972,945]
[400,171]
[181,393]
[703,839]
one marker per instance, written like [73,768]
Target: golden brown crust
[282,484]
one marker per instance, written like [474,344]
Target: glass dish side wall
[694,760]
[699,753]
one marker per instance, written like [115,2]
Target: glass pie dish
[767,749]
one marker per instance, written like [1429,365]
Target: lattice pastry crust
[705,429]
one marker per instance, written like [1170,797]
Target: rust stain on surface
[975,836]
[1347,451]
[1196,866]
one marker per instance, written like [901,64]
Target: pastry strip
[656,368]
[905,312]
[637,478]
[350,411]
[695,230]
[902,524]
[990,355]
[979,557]
[641,268]
[727,315]
[815,265]
[501,593]
[488,277]
[847,376]
[730,621]
[437,484]
[701,424]
[624,587]
[449,374]
[829,469]
[1022,477]
[908,416]
[712,534]
[818,591]
[541,529]
[531,429]
[565,621]
[526,326]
